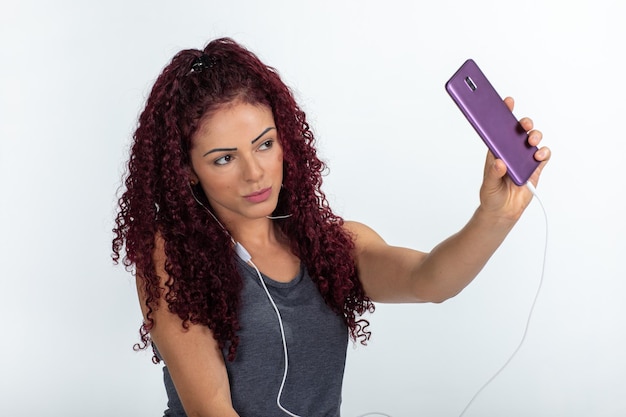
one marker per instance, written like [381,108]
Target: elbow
[437,287]
[436,296]
[441,299]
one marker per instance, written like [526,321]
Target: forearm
[456,261]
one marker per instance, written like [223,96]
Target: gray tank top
[316,341]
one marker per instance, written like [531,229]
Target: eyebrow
[267,129]
[220,150]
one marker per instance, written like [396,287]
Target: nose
[252,169]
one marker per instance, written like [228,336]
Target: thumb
[498,169]
[495,170]
[493,184]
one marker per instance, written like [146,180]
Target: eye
[223,160]
[266,145]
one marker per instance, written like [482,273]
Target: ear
[193,178]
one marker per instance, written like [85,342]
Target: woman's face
[238,161]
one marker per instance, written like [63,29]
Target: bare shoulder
[192,354]
[159,259]
[362,234]
[358,229]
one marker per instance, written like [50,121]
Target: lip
[259,196]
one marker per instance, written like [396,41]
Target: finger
[495,168]
[543,154]
[526,123]
[510,103]
[534,137]
[499,168]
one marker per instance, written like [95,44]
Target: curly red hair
[204,284]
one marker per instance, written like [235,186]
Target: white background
[73,78]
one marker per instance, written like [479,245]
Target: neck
[253,233]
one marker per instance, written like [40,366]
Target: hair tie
[202,62]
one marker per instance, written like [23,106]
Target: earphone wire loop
[530,312]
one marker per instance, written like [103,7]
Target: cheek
[279,163]
[214,187]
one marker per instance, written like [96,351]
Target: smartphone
[493,121]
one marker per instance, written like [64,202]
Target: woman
[250,286]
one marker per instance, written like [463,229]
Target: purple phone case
[493,121]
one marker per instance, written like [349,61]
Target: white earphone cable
[532,307]
[284,340]
[243,254]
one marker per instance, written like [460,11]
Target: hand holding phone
[493,121]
